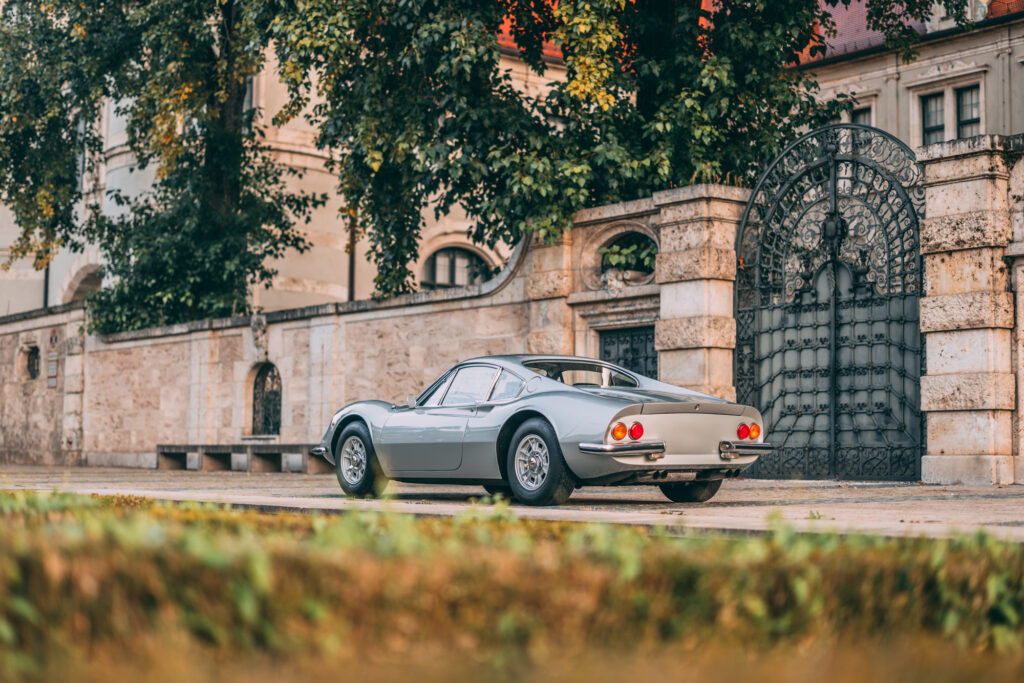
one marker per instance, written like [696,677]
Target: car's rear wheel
[691,491]
[356,463]
[537,473]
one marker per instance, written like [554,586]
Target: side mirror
[410,401]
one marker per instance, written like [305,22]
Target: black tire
[532,488]
[691,491]
[495,489]
[365,482]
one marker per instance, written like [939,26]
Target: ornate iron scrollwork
[828,342]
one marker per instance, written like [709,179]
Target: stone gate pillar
[696,267]
[967,313]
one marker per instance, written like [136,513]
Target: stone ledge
[695,264]
[977,470]
[967,311]
[698,332]
[968,391]
[967,230]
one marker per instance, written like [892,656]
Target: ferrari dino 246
[538,427]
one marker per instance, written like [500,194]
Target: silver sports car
[537,427]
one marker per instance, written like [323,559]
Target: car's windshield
[580,373]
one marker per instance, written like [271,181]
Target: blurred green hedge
[80,572]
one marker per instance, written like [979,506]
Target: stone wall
[115,398]
[41,415]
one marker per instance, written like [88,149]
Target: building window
[968,111]
[861,115]
[932,126]
[454,267]
[266,401]
[32,362]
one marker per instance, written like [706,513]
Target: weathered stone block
[968,391]
[967,311]
[695,333]
[970,470]
[549,284]
[985,350]
[965,231]
[970,432]
[696,264]
[966,270]
[696,367]
[554,342]
[696,297]
[697,234]
[985,193]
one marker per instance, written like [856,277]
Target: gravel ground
[741,505]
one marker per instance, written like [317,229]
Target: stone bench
[271,457]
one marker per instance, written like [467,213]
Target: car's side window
[508,386]
[434,394]
[471,384]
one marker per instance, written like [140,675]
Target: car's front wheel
[537,473]
[356,463]
[691,491]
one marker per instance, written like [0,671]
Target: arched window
[454,267]
[266,401]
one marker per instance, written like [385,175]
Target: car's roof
[520,358]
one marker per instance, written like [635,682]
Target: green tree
[219,211]
[418,110]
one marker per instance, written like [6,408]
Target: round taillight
[619,431]
[743,431]
[636,430]
[755,431]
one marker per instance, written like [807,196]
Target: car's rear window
[581,374]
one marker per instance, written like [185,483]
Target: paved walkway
[891,509]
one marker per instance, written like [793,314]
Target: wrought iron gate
[632,348]
[828,342]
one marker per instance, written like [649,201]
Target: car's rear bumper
[601,462]
[652,449]
[730,450]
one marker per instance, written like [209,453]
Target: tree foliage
[420,111]
[415,106]
[176,70]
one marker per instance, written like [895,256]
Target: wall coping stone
[41,312]
[702,192]
[980,144]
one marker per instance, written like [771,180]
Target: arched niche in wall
[593,259]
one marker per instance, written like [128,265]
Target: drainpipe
[46,286]
[352,258]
